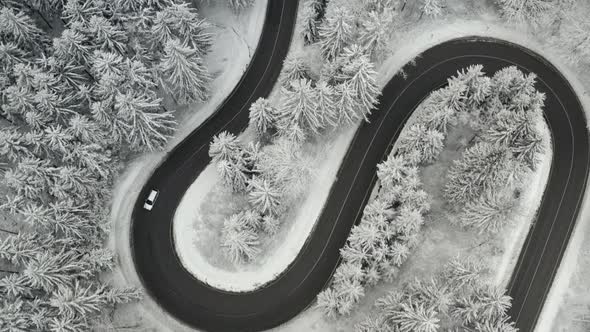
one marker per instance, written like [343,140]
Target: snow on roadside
[250,277]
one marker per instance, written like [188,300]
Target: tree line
[81,88]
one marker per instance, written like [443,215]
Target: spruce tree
[299,107]
[184,74]
[262,116]
[336,32]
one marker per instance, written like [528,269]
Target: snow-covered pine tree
[182,22]
[488,213]
[72,47]
[363,83]
[286,166]
[239,5]
[433,8]
[463,270]
[240,242]
[294,68]
[337,31]
[326,104]
[19,28]
[184,74]
[376,31]
[299,107]
[348,104]
[483,167]
[531,11]
[573,41]
[148,124]
[233,173]
[262,116]
[224,146]
[415,318]
[309,30]
[428,142]
[392,170]
[12,145]
[328,301]
[264,196]
[106,36]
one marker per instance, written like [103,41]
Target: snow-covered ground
[189,226]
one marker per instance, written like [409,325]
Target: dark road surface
[205,308]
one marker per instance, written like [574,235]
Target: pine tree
[489,213]
[224,146]
[148,125]
[12,145]
[525,10]
[326,104]
[363,82]
[50,271]
[392,170]
[309,30]
[376,31]
[294,69]
[287,167]
[463,271]
[415,318]
[79,300]
[239,5]
[72,46]
[14,286]
[416,138]
[183,73]
[299,107]
[409,221]
[350,110]
[21,248]
[107,37]
[19,28]
[240,243]
[328,302]
[433,8]
[262,116]
[271,224]
[336,32]
[180,21]
[67,324]
[264,196]
[80,12]
[483,167]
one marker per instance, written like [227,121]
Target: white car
[149,202]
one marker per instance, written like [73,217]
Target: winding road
[205,308]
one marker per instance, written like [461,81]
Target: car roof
[153,194]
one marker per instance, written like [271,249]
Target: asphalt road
[203,307]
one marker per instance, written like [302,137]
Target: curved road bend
[210,309]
